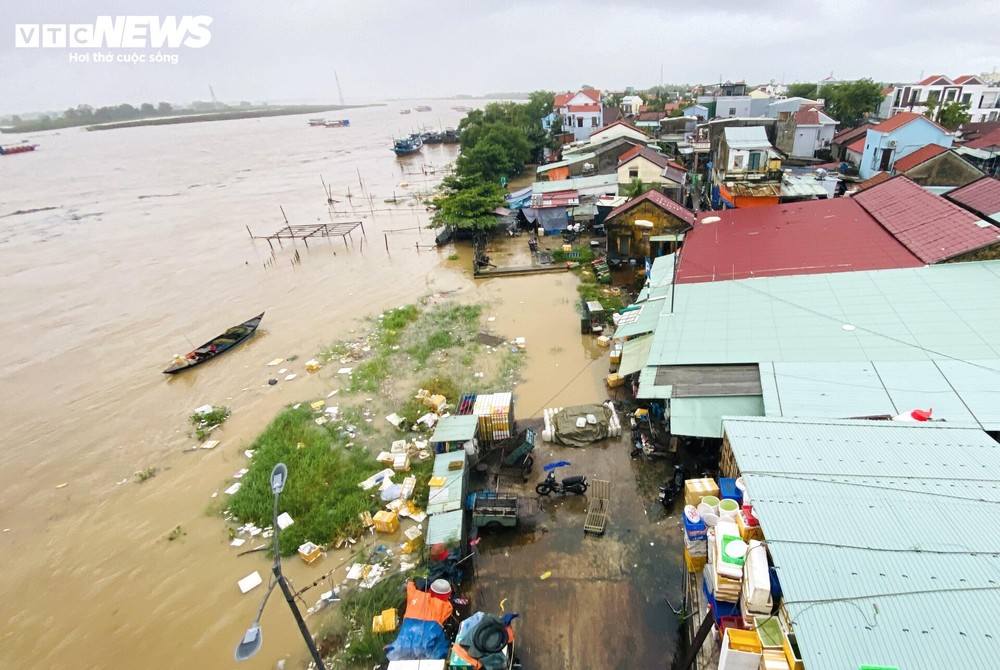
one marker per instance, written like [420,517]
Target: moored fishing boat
[216,346]
[422,108]
[10,149]
[409,145]
[317,122]
[338,123]
[404,111]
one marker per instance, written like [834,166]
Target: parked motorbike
[671,489]
[576,484]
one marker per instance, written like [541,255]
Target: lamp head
[279,475]
[250,644]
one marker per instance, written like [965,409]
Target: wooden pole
[248,231]
[283,213]
[386,236]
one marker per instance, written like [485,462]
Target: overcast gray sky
[266,50]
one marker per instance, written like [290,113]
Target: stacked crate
[496,416]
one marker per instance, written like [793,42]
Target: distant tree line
[496,143]
[86,115]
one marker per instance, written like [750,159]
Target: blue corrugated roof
[883,537]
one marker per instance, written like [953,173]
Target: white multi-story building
[982,96]
[582,112]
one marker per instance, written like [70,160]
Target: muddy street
[605,603]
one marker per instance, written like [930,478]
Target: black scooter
[576,484]
[671,489]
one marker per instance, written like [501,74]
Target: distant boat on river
[11,149]
[422,108]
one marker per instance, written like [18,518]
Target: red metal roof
[921,155]
[935,79]
[851,133]
[618,123]
[653,157]
[901,119]
[809,117]
[985,141]
[966,78]
[933,228]
[808,237]
[858,145]
[593,109]
[562,99]
[981,196]
[661,201]
[872,181]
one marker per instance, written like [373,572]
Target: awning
[635,353]
[455,429]
[702,417]
[648,390]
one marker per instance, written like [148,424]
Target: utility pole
[339,92]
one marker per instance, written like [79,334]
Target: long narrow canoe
[216,346]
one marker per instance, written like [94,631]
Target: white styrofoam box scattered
[250,582]
[233,489]
[285,520]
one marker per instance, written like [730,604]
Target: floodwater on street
[139,249]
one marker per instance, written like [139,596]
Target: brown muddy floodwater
[140,249]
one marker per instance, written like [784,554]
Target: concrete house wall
[899,142]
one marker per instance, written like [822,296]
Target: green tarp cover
[567,433]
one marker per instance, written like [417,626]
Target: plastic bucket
[712,502]
[441,589]
[728,508]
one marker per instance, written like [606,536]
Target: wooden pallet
[598,507]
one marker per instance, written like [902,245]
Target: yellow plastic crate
[385,622]
[615,380]
[694,563]
[744,640]
[386,522]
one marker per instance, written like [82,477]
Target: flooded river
[141,250]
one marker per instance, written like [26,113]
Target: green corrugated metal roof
[634,354]
[881,536]
[448,497]
[445,528]
[960,393]
[640,321]
[702,416]
[926,313]
[455,429]
[648,390]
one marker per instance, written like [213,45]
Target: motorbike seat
[570,481]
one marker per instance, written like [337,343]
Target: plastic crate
[727,489]
[743,640]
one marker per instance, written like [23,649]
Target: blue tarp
[418,640]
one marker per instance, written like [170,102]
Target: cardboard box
[696,489]
[615,380]
[309,552]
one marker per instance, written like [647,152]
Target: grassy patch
[321,494]
[205,423]
[146,474]
[453,257]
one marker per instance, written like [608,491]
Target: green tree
[802,90]
[147,109]
[851,102]
[467,203]
[954,114]
[637,187]
[164,108]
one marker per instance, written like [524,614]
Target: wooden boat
[404,111]
[338,123]
[410,145]
[317,122]
[11,149]
[422,108]
[216,346]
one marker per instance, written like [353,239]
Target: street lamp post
[252,639]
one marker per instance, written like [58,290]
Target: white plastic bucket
[728,508]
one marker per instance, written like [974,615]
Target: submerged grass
[321,494]
[354,627]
